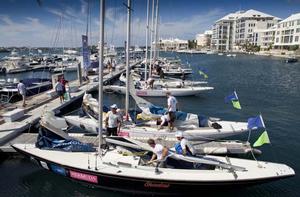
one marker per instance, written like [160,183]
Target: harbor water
[265,85]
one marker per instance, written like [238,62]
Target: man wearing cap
[183,147]
[113,121]
[172,106]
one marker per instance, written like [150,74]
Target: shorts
[112,131]
[60,93]
[172,116]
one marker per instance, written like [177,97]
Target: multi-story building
[204,40]
[236,30]
[251,21]
[264,38]
[173,44]
[223,32]
[288,32]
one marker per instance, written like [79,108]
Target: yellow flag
[263,139]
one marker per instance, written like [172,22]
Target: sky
[51,23]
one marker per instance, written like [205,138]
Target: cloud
[31,32]
[185,28]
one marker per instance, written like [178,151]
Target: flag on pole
[263,139]
[203,74]
[256,122]
[233,98]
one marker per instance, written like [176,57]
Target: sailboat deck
[231,147]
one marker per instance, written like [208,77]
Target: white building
[204,40]
[173,44]
[264,38]
[224,33]
[288,32]
[236,30]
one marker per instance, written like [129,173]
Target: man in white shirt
[113,121]
[172,106]
[183,147]
[160,153]
[22,91]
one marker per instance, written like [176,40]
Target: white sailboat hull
[185,91]
[202,133]
[118,172]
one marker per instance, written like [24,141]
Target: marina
[218,114]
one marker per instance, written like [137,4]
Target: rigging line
[114,23]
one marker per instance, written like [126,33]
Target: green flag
[202,73]
[263,139]
[236,104]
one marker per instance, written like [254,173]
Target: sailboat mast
[101,44]
[147,35]
[151,40]
[127,57]
[155,33]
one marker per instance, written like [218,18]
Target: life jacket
[179,150]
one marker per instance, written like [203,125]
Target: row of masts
[153,52]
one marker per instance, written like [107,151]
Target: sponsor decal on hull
[83,177]
[150,184]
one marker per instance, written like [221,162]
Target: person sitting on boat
[59,89]
[183,146]
[22,91]
[160,153]
[150,82]
[172,107]
[163,121]
[113,121]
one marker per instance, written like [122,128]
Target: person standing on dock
[113,121]
[63,82]
[22,91]
[172,107]
[59,89]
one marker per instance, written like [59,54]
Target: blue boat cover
[51,141]
[161,111]
[203,121]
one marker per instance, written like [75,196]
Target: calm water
[264,85]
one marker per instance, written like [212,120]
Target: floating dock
[9,130]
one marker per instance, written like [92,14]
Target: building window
[298,22]
[297,30]
[296,38]
[277,40]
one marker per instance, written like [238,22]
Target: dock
[37,104]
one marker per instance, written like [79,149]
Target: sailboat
[126,167]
